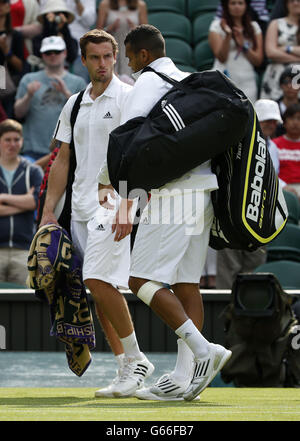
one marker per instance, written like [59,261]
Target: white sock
[193,338]
[119,359]
[131,347]
[184,367]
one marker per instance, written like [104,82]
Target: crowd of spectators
[259,50]
[255,45]
[39,49]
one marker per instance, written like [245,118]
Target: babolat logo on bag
[249,206]
[255,208]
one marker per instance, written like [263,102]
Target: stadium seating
[286,246]
[186,68]
[172,25]
[270,4]
[293,206]
[286,271]
[179,51]
[203,55]
[200,27]
[197,7]
[177,6]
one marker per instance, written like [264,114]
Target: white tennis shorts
[103,258]
[172,238]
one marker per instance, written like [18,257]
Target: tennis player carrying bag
[205,116]
[249,206]
[197,119]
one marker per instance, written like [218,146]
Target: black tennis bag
[197,119]
[249,206]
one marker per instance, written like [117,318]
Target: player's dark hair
[146,37]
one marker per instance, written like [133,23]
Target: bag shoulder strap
[175,83]
[74,114]
[65,217]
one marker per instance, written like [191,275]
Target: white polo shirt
[95,120]
[147,90]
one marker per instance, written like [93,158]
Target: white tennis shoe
[206,369]
[108,391]
[132,377]
[166,389]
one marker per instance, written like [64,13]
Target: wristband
[289,49]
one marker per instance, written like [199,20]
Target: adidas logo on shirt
[107,115]
[100,227]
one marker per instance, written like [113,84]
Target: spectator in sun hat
[41,96]
[269,118]
[55,18]
[52,43]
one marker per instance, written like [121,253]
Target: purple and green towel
[55,273]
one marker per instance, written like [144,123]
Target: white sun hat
[267,109]
[55,6]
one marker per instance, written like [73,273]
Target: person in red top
[289,150]
[24,19]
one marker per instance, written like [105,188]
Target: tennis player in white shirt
[170,253]
[105,261]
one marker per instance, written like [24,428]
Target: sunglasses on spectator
[52,52]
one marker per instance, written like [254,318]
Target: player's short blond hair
[97,36]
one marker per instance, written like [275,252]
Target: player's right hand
[48,218]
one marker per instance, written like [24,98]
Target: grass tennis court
[216,404]
[39,386]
